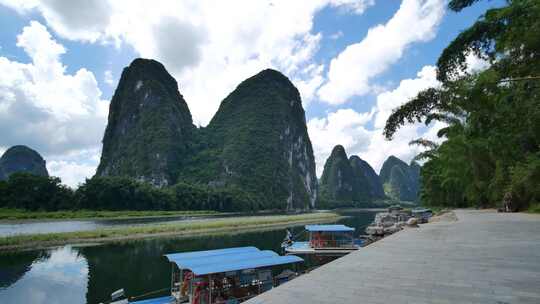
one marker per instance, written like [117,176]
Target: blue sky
[352,60]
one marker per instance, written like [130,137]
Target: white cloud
[336,35]
[348,127]
[475,64]
[407,89]
[45,108]
[80,19]
[358,7]
[108,77]
[72,173]
[351,71]
[209,46]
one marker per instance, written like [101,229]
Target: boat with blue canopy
[228,276]
[327,240]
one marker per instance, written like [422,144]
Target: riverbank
[231,224]
[7,214]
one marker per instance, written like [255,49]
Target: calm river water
[71,274]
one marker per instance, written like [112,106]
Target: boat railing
[332,243]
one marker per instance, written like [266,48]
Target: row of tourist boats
[234,275]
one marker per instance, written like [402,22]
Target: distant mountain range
[256,146]
[353,182]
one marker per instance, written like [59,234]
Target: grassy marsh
[231,224]
[21,214]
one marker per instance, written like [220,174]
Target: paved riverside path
[483,257]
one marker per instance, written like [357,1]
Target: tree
[493,116]
[32,192]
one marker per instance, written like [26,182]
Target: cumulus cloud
[209,46]
[83,20]
[348,127]
[44,107]
[350,72]
[358,7]
[72,172]
[108,77]
[407,89]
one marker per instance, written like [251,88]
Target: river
[89,274]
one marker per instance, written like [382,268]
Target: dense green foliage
[31,192]
[21,159]
[491,154]
[258,142]
[348,182]
[374,184]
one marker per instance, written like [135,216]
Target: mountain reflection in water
[72,274]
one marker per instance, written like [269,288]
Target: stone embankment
[482,257]
[394,220]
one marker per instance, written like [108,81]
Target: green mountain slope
[258,142]
[21,159]
[401,181]
[374,186]
[337,180]
[149,128]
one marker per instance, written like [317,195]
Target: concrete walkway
[484,257]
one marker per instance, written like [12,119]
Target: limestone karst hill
[401,181]
[256,144]
[349,181]
[22,159]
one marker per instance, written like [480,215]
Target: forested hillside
[400,181]
[491,155]
[348,182]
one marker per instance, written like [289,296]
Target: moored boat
[324,240]
[227,276]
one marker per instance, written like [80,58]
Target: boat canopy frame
[329,228]
[230,259]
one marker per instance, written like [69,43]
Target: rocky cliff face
[149,127]
[338,180]
[256,145]
[260,137]
[400,180]
[22,159]
[373,183]
[349,182]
